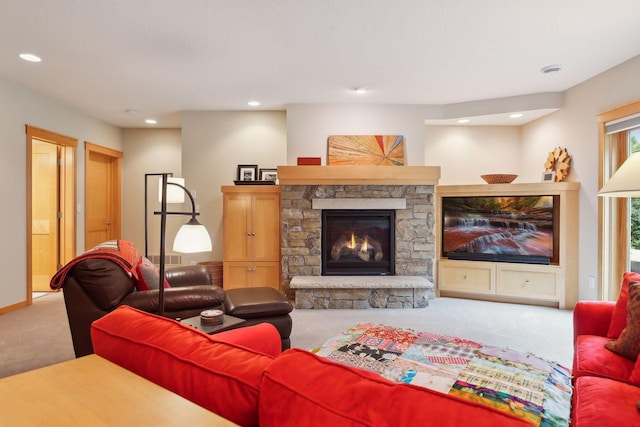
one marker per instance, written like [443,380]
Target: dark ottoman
[261,305]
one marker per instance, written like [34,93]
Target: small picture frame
[548,176]
[268,174]
[247,172]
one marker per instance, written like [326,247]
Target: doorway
[102,195]
[50,206]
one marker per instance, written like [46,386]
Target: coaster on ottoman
[211,317]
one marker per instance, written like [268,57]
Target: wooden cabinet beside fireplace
[251,236]
[555,284]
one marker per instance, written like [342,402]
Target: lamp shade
[175,194]
[625,182]
[192,237]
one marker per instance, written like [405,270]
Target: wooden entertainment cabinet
[554,285]
[251,236]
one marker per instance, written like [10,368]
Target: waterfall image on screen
[518,226]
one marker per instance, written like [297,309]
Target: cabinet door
[528,281]
[250,274]
[265,227]
[266,274]
[235,275]
[237,227]
[467,277]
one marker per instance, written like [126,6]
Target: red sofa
[242,376]
[606,385]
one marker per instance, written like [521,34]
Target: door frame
[116,179]
[67,202]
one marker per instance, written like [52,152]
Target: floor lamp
[146,217]
[625,182]
[191,238]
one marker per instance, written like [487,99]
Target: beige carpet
[546,332]
[39,335]
[35,336]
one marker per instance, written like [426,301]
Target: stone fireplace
[308,191]
[358,242]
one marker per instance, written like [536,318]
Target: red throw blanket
[121,252]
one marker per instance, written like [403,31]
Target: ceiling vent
[550,69]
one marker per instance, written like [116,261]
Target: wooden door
[44,214]
[102,195]
[237,226]
[265,227]
[41,144]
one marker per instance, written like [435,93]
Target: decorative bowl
[498,178]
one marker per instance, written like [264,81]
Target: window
[619,218]
[634,215]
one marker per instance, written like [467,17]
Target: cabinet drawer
[466,277]
[534,284]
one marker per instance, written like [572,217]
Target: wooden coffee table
[92,391]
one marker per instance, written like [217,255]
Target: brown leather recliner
[94,287]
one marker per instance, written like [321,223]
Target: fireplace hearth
[358,242]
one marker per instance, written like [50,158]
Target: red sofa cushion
[628,343]
[209,370]
[619,317]
[319,392]
[634,378]
[592,358]
[600,402]
[592,318]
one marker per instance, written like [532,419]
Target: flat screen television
[521,229]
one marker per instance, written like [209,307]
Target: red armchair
[603,394]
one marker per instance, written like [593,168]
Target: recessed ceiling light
[464,121]
[253,103]
[360,90]
[550,69]
[151,121]
[30,57]
[515,115]
[130,111]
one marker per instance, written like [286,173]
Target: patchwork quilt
[519,383]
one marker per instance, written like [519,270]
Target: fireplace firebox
[358,242]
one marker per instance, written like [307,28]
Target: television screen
[501,228]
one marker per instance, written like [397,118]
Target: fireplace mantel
[358,175]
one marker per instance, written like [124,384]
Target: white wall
[214,143]
[148,151]
[466,152]
[309,126]
[20,106]
[575,128]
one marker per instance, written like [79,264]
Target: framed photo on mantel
[548,176]
[247,172]
[268,174]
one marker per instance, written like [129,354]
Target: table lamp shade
[625,182]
